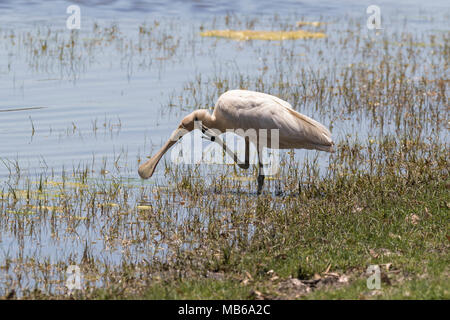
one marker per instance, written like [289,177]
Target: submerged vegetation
[200,231]
[262,35]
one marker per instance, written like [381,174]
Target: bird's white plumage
[244,109]
[255,110]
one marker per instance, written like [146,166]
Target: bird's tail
[329,145]
[320,136]
[327,148]
[317,133]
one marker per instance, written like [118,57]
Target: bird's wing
[254,110]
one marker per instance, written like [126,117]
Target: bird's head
[187,124]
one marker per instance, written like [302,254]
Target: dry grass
[201,232]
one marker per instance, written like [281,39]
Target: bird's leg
[260,174]
[246,164]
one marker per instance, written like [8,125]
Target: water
[117,97]
[107,90]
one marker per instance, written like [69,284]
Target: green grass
[196,289]
[332,230]
[326,234]
[418,253]
[382,200]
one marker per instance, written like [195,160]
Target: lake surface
[126,94]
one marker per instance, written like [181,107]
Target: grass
[262,35]
[201,232]
[335,229]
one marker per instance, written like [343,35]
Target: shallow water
[115,96]
[127,90]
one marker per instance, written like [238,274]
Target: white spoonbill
[244,110]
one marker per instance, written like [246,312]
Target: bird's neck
[207,119]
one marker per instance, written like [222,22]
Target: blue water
[120,104]
[114,88]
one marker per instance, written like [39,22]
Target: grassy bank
[329,234]
[313,240]
[200,231]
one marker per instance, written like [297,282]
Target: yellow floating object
[67,183]
[111,204]
[272,178]
[262,35]
[144,207]
[309,23]
[23,212]
[240,178]
[79,218]
[49,208]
